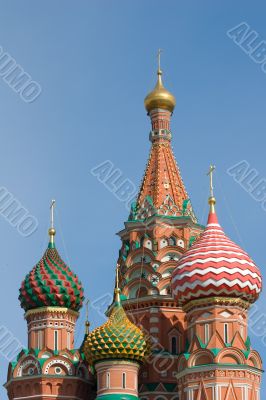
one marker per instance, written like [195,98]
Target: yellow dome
[118,338]
[160,97]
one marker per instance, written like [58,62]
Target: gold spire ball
[159,97]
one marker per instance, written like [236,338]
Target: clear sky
[95,61]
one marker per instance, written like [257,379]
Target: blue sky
[95,62]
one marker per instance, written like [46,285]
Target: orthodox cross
[87,324]
[210,173]
[159,59]
[52,207]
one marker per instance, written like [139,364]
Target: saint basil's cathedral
[177,328]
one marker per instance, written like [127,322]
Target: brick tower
[50,368]
[116,350]
[161,226]
[216,282]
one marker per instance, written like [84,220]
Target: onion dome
[215,267]
[160,97]
[118,338]
[51,283]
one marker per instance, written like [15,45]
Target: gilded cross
[210,173]
[87,310]
[52,207]
[159,58]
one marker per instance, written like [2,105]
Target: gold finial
[52,231]
[87,324]
[159,72]
[117,289]
[212,200]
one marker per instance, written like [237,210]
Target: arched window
[172,241]
[55,340]
[108,380]
[206,333]
[40,340]
[226,336]
[174,345]
[124,380]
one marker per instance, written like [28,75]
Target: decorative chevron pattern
[215,266]
[118,338]
[51,283]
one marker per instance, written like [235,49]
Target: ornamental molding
[213,301]
[42,310]
[223,371]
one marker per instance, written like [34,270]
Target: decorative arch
[136,269]
[24,364]
[142,291]
[49,388]
[172,256]
[133,256]
[62,362]
[254,360]
[201,357]
[181,363]
[131,288]
[231,356]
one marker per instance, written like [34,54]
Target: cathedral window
[108,380]
[40,340]
[55,340]
[206,333]
[172,241]
[174,345]
[124,380]
[226,336]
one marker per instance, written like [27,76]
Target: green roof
[117,396]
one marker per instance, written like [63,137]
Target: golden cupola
[118,338]
[160,97]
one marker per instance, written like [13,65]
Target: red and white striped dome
[215,266]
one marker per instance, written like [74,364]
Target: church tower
[50,368]
[216,282]
[161,226]
[116,350]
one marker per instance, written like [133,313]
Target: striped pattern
[51,283]
[215,266]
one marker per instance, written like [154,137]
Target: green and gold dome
[118,338]
[51,283]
